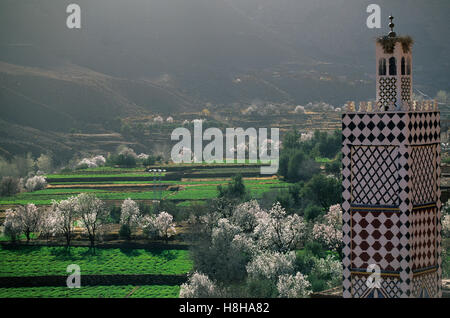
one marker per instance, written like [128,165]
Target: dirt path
[132,291]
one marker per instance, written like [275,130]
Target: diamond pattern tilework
[423,174]
[387,90]
[389,287]
[376,240]
[374,175]
[387,128]
[406,89]
[423,238]
[438,218]
[424,286]
[346,220]
[423,127]
[405,130]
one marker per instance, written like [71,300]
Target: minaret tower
[394,66]
[391,185]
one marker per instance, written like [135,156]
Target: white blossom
[12,225]
[245,215]
[158,119]
[161,225]
[130,214]
[65,214]
[35,183]
[143,156]
[290,286]
[99,160]
[127,152]
[198,286]
[329,233]
[270,265]
[92,213]
[446,225]
[48,223]
[278,231]
[86,162]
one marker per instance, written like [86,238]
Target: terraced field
[47,261]
[40,271]
[152,291]
[110,183]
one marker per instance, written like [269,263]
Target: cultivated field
[37,270]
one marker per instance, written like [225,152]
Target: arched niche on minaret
[394,71]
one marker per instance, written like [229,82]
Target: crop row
[147,291]
[47,261]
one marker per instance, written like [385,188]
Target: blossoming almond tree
[198,286]
[161,225]
[92,213]
[12,225]
[47,224]
[130,214]
[29,218]
[278,231]
[446,225]
[293,286]
[35,183]
[65,213]
[329,233]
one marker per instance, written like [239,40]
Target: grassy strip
[47,261]
[272,181]
[64,176]
[148,291]
[46,198]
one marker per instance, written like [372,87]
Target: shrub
[35,183]
[125,231]
[312,212]
[9,186]
[235,189]
[150,160]
[114,214]
[45,163]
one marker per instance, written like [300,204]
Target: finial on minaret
[392,34]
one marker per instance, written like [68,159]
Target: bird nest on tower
[388,43]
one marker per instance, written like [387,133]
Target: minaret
[391,185]
[394,69]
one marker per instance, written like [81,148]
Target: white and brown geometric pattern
[423,127]
[423,173]
[388,287]
[424,286]
[376,240]
[406,89]
[387,91]
[423,238]
[374,175]
[384,128]
[378,228]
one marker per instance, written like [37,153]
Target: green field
[194,190]
[45,261]
[46,198]
[146,291]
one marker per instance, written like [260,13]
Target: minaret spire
[392,34]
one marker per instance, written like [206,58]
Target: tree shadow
[130,252]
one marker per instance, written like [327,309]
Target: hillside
[139,58]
